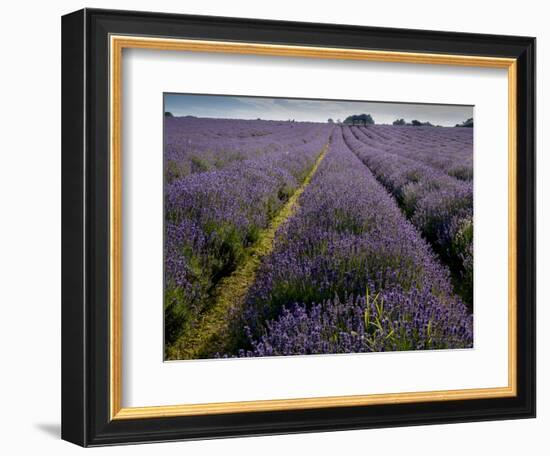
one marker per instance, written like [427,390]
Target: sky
[237,107]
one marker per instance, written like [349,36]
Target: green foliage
[285,192]
[380,321]
[409,198]
[462,248]
[176,314]
[465,173]
[253,235]
[199,165]
[175,170]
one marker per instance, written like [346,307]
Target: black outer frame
[85,227]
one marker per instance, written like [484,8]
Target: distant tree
[399,122]
[368,119]
[168,114]
[338,121]
[359,119]
[468,123]
[417,123]
[330,121]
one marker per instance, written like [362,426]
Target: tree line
[367,119]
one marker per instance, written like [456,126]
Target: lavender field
[293,238]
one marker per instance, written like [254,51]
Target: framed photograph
[278,227]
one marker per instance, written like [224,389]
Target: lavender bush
[348,236]
[213,216]
[435,202]
[392,320]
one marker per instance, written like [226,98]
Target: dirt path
[209,334]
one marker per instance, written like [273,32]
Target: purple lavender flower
[393,320]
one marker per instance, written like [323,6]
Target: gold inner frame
[117,44]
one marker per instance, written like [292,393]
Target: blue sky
[235,107]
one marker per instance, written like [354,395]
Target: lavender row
[440,206]
[211,218]
[349,273]
[446,149]
[392,320]
[194,145]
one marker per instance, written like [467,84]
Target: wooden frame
[93,41]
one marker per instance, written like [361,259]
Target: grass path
[209,335]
